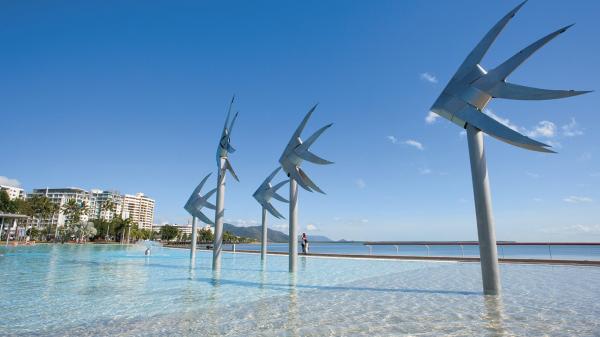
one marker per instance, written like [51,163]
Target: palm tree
[73,211]
[108,206]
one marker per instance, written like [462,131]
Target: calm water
[540,252]
[94,290]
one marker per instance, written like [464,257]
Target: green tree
[73,211]
[168,232]
[108,206]
[205,236]
[6,205]
[40,207]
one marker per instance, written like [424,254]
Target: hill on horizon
[254,232]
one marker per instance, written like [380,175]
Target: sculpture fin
[295,174]
[304,121]
[230,169]
[310,140]
[309,182]
[204,218]
[502,71]
[278,186]
[230,148]
[482,47]
[521,92]
[313,158]
[280,198]
[500,131]
[273,211]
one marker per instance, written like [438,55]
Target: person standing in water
[304,244]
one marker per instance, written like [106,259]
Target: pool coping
[418,258]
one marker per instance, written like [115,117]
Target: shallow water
[92,290]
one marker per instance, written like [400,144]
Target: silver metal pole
[293,229]
[219,215]
[483,208]
[193,248]
[263,242]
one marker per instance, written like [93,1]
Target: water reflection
[292,312]
[493,317]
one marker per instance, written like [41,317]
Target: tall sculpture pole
[223,164]
[295,152]
[194,206]
[263,195]
[463,101]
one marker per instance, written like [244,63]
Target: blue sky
[132,96]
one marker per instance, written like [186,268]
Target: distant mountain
[254,232]
[317,238]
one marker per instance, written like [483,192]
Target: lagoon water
[102,290]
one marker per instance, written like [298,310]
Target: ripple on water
[114,290]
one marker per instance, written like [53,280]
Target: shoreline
[591,263]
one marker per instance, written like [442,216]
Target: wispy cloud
[414,144]
[571,129]
[242,222]
[431,117]
[360,183]
[364,220]
[425,171]
[533,175]
[573,199]
[311,227]
[585,156]
[9,182]
[574,229]
[392,139]
[427,77]
[544,129]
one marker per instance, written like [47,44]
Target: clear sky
[132,95]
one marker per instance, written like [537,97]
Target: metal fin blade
[198,189]
[273,211]
[228,113]
[304,121]
[280,198]
[278,185]
[502,71]
[230,169]
[271,176]
[233,122]
[309,182]
[521,92]
[295,174]
[230,148]
[313,158]
[310,140]
[498,130]
[204,218]
[482,47]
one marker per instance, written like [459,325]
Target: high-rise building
[13,192]
[140,209]
[61,196]
[99,200]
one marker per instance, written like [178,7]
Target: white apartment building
[140,209]
[137,207]
[13,192]
[185,229]
[98,200]
[61,196]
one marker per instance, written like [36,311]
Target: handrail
[474,243]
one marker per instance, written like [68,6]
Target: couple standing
[304,239]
